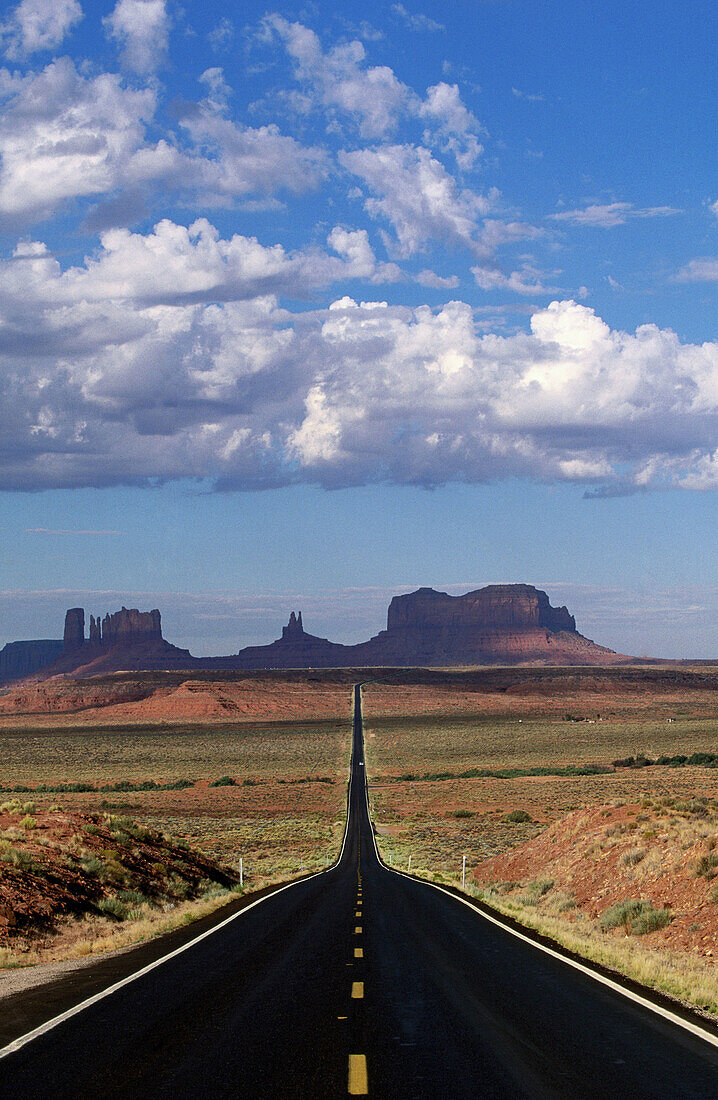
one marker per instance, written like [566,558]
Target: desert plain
[583,801]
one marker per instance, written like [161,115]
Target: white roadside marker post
[409,867]
[241,872]
[463,873]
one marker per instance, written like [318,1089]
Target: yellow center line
[358,1084]
[358,952]
[358,913]
[357,990]
[357,930]
[342,1017]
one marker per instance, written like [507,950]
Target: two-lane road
[359,979]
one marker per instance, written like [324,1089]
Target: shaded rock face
[129,626]
[124,627]
[74,636]
[498,606]
[18,659]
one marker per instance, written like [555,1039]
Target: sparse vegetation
[515,817]
[635,917]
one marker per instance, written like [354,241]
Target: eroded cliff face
[19,659]
[496,607]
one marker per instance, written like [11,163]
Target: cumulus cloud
[36,25]
[438,282]
[415,193]
[456,126]
[341,82]
[142,29]
[609,215]
[64,135]
[169,355]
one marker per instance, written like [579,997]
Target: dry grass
[437,822]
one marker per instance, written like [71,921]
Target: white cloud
[528,280]
[230,161]
[221,34]
[36,25]
[438,282]
[340,82]
[699,271]
[142,29]
[63,135]
[609,215]
[416,20]
[168,355]
[531,97]
[457,126]
[416,194]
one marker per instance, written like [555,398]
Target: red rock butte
[501,624]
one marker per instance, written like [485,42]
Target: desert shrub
[651,920]
[178,887]
[463,813]
[121,837]
[28,822]
[705,866]
[133,897]
[17,858]
[518,816]
[636,917]
[630,859]
[224,781]
[112,907]
[638,761]
[93,830]
[713,894]
[540,886]
[11,807]
[91,865]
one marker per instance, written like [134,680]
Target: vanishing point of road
[358,980]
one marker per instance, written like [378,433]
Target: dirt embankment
[592,861]
[176,697]
[58,866]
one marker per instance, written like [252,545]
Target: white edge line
[23,1040]
[666,1013]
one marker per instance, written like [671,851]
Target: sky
[304,306]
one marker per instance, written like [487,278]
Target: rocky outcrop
[496,607]
[500,624]
[20,659]
[74,636]
[124,627]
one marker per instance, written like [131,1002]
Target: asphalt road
[357,980]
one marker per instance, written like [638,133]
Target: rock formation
[500,624]
[20,659]
[74,636]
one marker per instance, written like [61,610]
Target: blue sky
[299,306]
